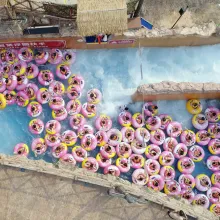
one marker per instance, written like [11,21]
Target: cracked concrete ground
[34,196]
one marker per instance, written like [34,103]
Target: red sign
[35,44]
[125,41]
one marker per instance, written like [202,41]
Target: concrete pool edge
[168,90]
[107,181]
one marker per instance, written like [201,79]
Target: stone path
[30,195]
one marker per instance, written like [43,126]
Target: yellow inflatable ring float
[2,101]
[194,106]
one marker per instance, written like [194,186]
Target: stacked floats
[147,145]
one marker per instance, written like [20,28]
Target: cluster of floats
[147,144]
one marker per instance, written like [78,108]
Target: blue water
[117,74]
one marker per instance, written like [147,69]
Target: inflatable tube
[186,165]
[214,130]
[123,164]
[153,123]
[3,56]
[36,126]
[22,82]
[85,129]
[22,99]
[56,88]
[73,92]
[212,114]
[68,137]
[215,178]
[107,151]
[124,119]
[3,102]
[89,142]
[194,106]
[203,137]
[200,121]
[213,195]
[41,57]
[138,147]
[153,151]
[76,80]
[90,164]
[180,151]
[11,56]
[150,109]
[19,68]
[137,120]
[45,77]
[174,129]
[21,149]
[11,82]
[31,90]
[114,136]
[31,71]
[186,181]
[68,159]
[123,150]
[76,121]
[56,103]
[196,153]
[63,71]
[88,110]
[52,140]
[79,153]
[34,109]
[201,200]
[165,120]
[53,127]
[10,97]
[157,137]
[203,182]
[55,56]
[60,114]
[142,135]
[166,158]
[140,177]
[127,134]
[103,122]
[187,194]
[152,167]
[2,85]
[214,146]
[94,96]
[112,169]
[168,173]
[59,151]
[73,107]
[25,54]
[101,138]
[215,208]
[38,146]
[6,70]
[69,57]
[103,162]
[156,182]
[43,96]
[213,163]
[188,138]
[172,188]
[137,161]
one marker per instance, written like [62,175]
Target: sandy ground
[33,196]
[163,13]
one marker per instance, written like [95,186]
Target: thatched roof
[101,16]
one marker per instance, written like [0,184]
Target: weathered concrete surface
[107,181]
[167,90]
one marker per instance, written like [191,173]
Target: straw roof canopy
[101,16]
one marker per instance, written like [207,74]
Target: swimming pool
[116,73]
